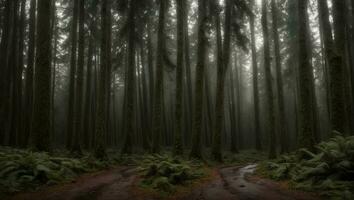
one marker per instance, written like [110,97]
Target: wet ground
[229,183]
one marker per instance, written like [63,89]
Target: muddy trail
[230,183]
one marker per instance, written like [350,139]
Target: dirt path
[235,184]
[231,183]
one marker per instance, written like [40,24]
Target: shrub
[330,170]
[164,172]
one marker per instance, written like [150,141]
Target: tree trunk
[54,35]
[232,108]
[238,110]
[130,88]
[199,84]
[179,78]
[255,85]
[340,74]
[76,147]
[282,120]
[101,124]
[73,57]
[88,101]
[269,87]
[158,98]
[29,83]
[41,114]
[5,51]
[307,126]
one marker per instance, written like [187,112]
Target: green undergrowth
[328,171]
[22,170]
[165,173]
[244,157]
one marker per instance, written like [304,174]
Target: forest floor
[122,183]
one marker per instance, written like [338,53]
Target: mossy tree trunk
[257,129]
[73,62]
[29,76]
[101,124]
[339,74]
[196,151]
[269,86]
[41,114]
[89,100]
[130,88]
[159,84]
[76,147]
[223,63]
[178,145]
[307,126]
[284,146]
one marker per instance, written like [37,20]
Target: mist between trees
[188,75]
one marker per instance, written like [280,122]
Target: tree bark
[158,97]
[76,147]
[73,59]
[269,87]
[29,76]
[307,126]
[199,81]
[280,91]
[41,114]
[257,129]
[130,88]
[178,146]
[101,124]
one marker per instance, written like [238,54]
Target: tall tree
[89,100]
[188,88]
[269,87]
[234,124]
[73,62]
[5,49]
[255,82]
[29,76]
[339,81]
[101,125]
[158,98]
[223,63]
[335,69]
[237,74]
[307,126]
[76,147]
[179,76]
[130,88]
[219,105]
[279,77]
[199,81]
[14,78]
[41,112]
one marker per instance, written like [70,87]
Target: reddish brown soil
[227,183]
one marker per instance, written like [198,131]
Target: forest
[176,99]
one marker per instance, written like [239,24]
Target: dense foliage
[24,170]
[163,172]
[329,170]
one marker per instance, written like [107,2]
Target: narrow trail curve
[235,185]
[231,183]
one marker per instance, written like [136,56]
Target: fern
[330,169]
